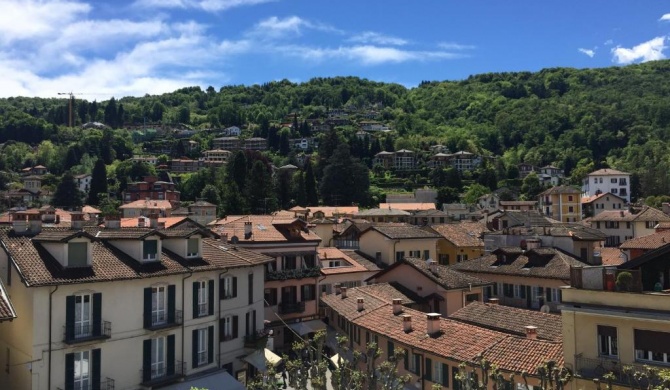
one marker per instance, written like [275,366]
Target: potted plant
[624,281]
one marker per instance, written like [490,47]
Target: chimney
[433,323]
[533,243]
[407,323]
[247,229]
[77,220]
[112,222]
[224,238]
[338,289]
[397,306]
[531,332]
[153,221]
[361,304]
[141,222]
[34,223]
[19,224]
[493,301]
[343,292]
[622,213]
[432,265]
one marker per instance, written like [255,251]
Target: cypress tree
[98,183]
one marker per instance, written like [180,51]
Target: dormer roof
[61,235]
[128,234]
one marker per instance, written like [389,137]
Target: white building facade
[607,180]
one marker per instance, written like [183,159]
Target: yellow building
[459,242]
[391,242]
[610,323]
[563,203]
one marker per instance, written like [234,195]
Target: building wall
[325,231]
[525,281]
[446,247]
[373,242]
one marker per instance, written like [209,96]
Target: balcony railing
[156,376]
[605,279]
[620,373]
[203,309]
[105,384]
[293,273]
[162,320]
[346,244]
[78,333]
[202,358]
[257,340]
[289,308]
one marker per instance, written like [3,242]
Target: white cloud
[28,19]
[365,54]
[205,5]
[665,17]
[608,42]
[378,38]
[454,46]
[275,28]
[645,51]
[588,52]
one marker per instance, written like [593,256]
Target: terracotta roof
[646,214]
[375,296]
[408,206]
[518,354]
[38,267]
[652,241]
[401,231]
[350,265]
[607,172]
[561,190]
[611,256]
[527,218]
[361,258]
[167,221]
[148,204]
[518,202]
[538,263]
[125,233]
[589,199]
[446,277]
[462,234]
[389,212]
[263,229]
[7,311]
[328,211]
[60,235]
[90,210]
[202,203]
[510,320]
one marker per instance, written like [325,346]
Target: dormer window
[193,247]
[77,254]
[150,250]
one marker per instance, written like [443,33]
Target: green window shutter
[170,361]
[251,288]
[406,360]
[222,291]
[147,307]
[417,364]
[210,297]
[69,371]
[95,369]
[234,286]
[389,349]
[236,325]
[194,348]
[97,314]
[196,291]
[429,370]
[146,361]
[69,317]
[210,344]
[253,323]
[172,295]
[222,335]
[454,372]
[445,375]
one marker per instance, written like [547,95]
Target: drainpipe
[50,320]
[183,312]
[218,316]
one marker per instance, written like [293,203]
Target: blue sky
[135,47]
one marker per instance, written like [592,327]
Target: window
[159,307]
[628,225]
[228,328]
[228,287]
[414,253]
[82,369]
[412,362]
[569,198]
[426,254]
[508,290]
[651,224]
[399,255]
[270,296]
[613,180]
[612,224]
[614,190]
[150,250]
[443,259]
[250,288]
[607,341]
[201,298]
[390,350]
[82,316]
[308,292]
[597,225]
[82,364]
[158,358]
[77,254]
[461,257]
[202,346]
[571,209]
[309,260]
[471,298]
[192,247]
[438,373]
[289,262]
[652,346]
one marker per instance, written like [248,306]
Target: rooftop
[561,190]
[646,214]
[462,234]
[652,241]
[148,204]
[607,172]
[386,212]
[408,206]
[401,231]
[444,276]
[264,228]
[348,264]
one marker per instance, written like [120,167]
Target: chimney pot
[343,292]
[407,323]
[338,289]
[247,228]
[397,306]
[494,301]
[224,238]
[531,332]
[433,323]
[361,304]
[432,265]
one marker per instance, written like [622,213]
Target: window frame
[203,341]
[146,256]
[227,328]
[159,307]
[158,357]
[83,327]
[203,294]
[612,347]
[80,358]
[189,254]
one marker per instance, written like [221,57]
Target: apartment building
[226,143]
[389,243]
[343,267]
[145,208]
[623,225]
[607,180]
[459,241]
[150,188]
[106,308]
[562,203]
[217,156]
[401,160]
[596,204]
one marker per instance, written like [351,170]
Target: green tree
[237,169]
[211,194]
[98,182]
[300,192]
[311,195]
[473,192]
[67,194]
[111,114]
[345,179]
[259,190]
[531,186]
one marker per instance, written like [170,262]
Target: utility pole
[70,118]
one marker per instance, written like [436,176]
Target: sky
[100,49]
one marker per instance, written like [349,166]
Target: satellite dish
[234,240]
[545,309]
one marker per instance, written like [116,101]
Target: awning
[220,380]
[303,328]
[260,359]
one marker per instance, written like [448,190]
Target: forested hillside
[578,120]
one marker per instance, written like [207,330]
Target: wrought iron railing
[610,368]
[160,320]
[289,308]
[298,273]
[257,340]
[78,333]
[166,373]
[105,384]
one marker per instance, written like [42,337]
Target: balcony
[105,384]
[298,273]
[290,308]
[605,279]
[257,340]
[78,333]
[164,321]
[622,374]
[158,376]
